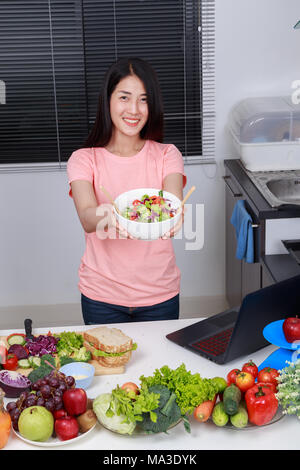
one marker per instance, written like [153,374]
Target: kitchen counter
[154,351]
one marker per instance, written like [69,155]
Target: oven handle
[226,178]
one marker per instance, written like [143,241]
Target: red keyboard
[214,345]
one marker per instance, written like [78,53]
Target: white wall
[257,53]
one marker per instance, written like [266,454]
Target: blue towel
[242,223]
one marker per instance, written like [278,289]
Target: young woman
[124,279]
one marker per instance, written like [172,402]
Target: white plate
[53,441]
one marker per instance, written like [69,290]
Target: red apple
[75,401]
[66,428]
[60,413]
[291,329]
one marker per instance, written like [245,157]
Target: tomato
[11,362]
[268,375]
[244,381]
[251,368]
[231,376]
[130,386]
[136,202]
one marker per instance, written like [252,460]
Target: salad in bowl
[147,213]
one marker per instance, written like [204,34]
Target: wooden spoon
[186,198]
[109,197]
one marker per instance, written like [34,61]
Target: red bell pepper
[262,404]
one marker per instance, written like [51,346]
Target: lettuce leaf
[98,352]
[190,389]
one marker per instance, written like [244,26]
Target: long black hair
[101,131]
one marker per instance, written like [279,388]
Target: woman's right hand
[108,226]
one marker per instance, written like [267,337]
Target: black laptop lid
[258,309]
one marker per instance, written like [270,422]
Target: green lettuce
[98,352]
[190,389]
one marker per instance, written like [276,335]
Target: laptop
[238,332]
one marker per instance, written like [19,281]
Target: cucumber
[231,399]
[24,364]
[240,419]
[16,339]
[219,417]
[34,361]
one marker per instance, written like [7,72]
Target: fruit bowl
[144,230]
[54,441]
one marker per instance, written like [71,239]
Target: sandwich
[110,347]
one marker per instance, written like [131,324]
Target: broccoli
[82,355]
[39,373]
[65,360]
[168,412]
[48,358]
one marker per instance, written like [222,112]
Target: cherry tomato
[11,362]
[231,376]
[130,386]
[268,375]
[251,368]
[244,381]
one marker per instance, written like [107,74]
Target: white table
[154,351]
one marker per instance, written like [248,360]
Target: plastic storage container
[266,132]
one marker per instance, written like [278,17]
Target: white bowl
[144,230]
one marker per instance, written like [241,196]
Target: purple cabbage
[42,345]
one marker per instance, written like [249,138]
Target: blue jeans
[95,312]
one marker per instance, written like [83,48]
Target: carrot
[203,411]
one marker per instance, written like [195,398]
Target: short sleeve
[173,162]
[80,167]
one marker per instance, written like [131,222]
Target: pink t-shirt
[127,272]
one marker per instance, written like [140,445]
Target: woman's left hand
[171,233]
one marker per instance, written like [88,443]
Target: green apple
[36,423]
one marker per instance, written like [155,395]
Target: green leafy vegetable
[167,413]
[190,389]
[131,406]
[69,342]
[115,422]
[39,373]
[47,358]
[288,387]
[98,352]
[65,360]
